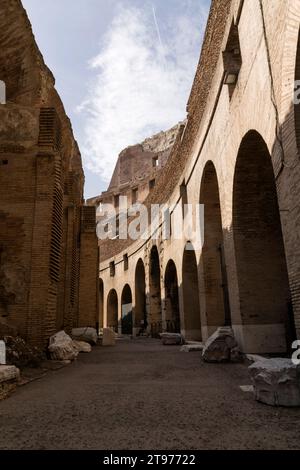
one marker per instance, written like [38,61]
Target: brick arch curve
[140,304]
[172,312]
[155,291]
[126,310]
[259,248]
[190,295]
[112,310]
[213,267]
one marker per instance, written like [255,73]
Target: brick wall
[41,196]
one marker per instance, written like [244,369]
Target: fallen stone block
[88,335]
[109,337]
[254,357]
[61,347]
[192,348]
[171,339]
[276,382]
[247,388]
[222,347]
[82,347]
[9,378]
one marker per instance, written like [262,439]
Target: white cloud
[141,84]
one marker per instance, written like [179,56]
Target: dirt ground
[142,395]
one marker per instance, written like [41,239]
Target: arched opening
[190,291]
[172,299]
[155,294]
[140,313]
[126,311]
[101,304]
[112,310]
[213,261]
[260,257]
[297,106]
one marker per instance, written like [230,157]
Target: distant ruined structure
[138,168]
[48,244]
[239,155]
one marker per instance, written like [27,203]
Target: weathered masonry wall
[42,239]
[239,155]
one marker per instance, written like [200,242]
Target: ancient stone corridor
[142,395]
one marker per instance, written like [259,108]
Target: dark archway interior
[260,256]
[140,314]
[127,311]
[112,310]
[155,294]
[172,299]
[190,291]
[214,268]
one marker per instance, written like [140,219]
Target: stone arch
[190,293]
[112,310]
[172,298]
[101,303]
[155,293]
[140,312]
[213,261]
[265,301]
[126,306]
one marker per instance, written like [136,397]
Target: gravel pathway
[142,395]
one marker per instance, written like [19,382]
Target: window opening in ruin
[112,269]
[232,59]
[134,196]
[126,262]
[151,184]
[155,162]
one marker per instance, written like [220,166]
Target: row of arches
[262,285]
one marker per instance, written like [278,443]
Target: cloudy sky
[123,68]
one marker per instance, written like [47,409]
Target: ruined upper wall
[136,162]
[210,53]
[181,152]
[22,67]
[29,82]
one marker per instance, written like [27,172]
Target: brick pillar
[41,317]
[89,269]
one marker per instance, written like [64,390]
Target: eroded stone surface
[276,382]
[62,348]
[9,378]
[221,347]
[109,337]
[82,346]
[88,335]
[170,339]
